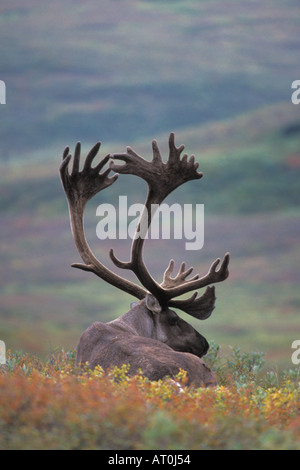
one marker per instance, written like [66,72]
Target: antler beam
[162,178]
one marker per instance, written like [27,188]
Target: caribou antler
[200,308]
[211,277]
[180,279]
[203,306]
[162,178]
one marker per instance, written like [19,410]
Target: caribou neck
[136,321]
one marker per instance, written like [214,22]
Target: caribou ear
[152,304]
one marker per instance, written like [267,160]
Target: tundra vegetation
[52,404]
[217,73]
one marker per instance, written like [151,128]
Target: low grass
[52,404]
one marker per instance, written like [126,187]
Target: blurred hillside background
[218,74]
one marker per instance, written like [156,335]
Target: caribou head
[150,336]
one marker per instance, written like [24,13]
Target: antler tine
[169,282]
[174,152]
[211,277]
[202,307]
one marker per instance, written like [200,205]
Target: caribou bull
[150,337]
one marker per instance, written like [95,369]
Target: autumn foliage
[53,404]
